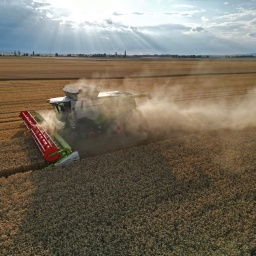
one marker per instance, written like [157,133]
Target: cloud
[14,13]
[236,25]
[187,6]
[109,21]
[198,29]
[104,37]
[191,13]
[253,35]
[171,13]
[117,14]
[252,22]
[239,15]
[138,13]
[204,19]
[40,4]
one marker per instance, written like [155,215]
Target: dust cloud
[163,114]
[50,123]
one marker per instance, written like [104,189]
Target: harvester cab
[84,113]
[62,107]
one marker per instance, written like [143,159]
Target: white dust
[163,114]
[50,123]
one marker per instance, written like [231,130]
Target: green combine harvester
[85,113]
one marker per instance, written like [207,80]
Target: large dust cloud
[163,113]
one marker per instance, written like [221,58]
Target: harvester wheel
[86,133]
[85,129]
[120,128]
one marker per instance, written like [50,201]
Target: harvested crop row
[12,133]
[18,155]
[9,119]
[8,114]
[26,97]
[19,106]
[193,195]
[10,126]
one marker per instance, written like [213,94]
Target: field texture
[192,193]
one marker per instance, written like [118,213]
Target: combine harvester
[85,113]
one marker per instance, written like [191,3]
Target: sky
[136,26]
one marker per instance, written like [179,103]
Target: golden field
[188,193]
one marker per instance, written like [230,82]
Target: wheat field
[190,190]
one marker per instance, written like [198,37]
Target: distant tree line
[116,55]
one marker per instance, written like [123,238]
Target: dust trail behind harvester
[164,114]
